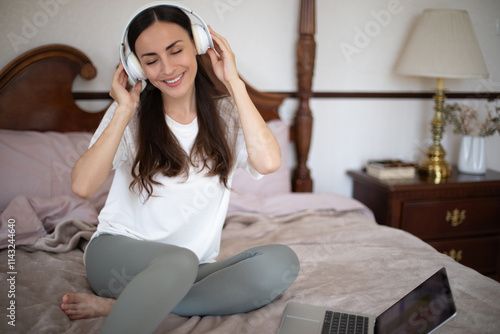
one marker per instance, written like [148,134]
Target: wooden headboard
[36,93]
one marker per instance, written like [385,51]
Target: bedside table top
[491,177]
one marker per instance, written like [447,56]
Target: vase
[471,159]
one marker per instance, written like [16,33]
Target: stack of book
[391,169]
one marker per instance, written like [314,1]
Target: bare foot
[85,306]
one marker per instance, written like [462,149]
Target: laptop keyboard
[343,323]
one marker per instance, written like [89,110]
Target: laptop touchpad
[300,325]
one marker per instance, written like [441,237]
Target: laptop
[421,311]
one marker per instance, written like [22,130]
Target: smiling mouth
[174,80]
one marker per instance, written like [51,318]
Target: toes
[69,301]
[84,305]
[71,312]
[67,307]
[69,298]
[76,316]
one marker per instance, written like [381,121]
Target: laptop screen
[420,311]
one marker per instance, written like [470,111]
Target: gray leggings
[151,279]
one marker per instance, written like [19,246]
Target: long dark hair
[159,151]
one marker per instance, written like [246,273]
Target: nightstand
[459,217]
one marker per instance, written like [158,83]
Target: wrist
[235,85]
[124,114]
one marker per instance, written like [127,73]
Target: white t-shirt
[185,212]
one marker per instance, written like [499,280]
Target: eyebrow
[171,45]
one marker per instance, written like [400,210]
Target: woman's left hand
[224,66]
[263,155]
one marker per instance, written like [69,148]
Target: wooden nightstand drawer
[460,215]
[481,254]
[451,218]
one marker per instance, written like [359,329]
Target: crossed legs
[150,280]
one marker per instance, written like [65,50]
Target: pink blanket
[347,262]
[56,224]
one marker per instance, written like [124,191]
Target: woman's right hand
[127,100]
[92,168]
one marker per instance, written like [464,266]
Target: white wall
[263,35]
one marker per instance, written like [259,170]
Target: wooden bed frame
[41,80]
[36,93]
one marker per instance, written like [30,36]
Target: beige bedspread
[347,262]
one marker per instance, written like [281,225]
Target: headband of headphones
[201,35]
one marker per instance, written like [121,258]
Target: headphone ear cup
[134,68]
[201,38]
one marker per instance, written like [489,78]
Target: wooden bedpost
[306,51]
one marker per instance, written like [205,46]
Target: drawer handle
[455,255]
[455,217]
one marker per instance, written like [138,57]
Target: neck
[182,110]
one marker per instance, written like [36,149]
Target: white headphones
[201,35]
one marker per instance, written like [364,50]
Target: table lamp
[442,45]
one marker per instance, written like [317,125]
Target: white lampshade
[443,45]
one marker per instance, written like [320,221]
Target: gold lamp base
[434,166]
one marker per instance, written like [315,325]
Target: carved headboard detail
[36,91]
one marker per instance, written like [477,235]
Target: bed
[348,261]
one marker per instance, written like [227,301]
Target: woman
[159,233]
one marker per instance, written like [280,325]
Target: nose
[167,66]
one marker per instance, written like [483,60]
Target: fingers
[220,43]
[214,58]
[119,91]
[120,75]
[225,66]
[119,81]
[136,92]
